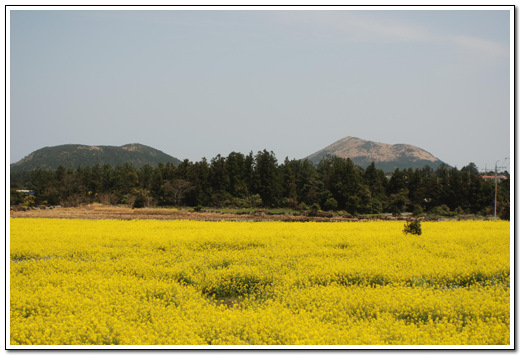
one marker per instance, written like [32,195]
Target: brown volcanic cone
[385,156]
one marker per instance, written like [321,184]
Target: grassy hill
[74,155]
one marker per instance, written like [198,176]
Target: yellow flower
[257,283]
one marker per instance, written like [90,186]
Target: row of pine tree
[245,181]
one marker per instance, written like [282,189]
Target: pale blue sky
[200,83]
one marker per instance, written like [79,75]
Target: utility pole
[496,189]
[496,185]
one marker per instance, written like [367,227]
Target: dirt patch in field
[127,213]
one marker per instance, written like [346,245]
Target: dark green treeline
[259,180]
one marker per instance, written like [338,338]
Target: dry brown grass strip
[96,211]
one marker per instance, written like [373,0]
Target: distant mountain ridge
[74,155]
[387,157]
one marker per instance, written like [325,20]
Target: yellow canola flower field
[258,283]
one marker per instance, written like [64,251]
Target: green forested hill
[74,155]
